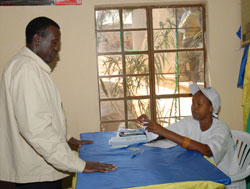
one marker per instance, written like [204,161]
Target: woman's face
[201,107]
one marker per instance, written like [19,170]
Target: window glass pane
[165,62]
[191,34]
[136,64]
[167,107]
[133,125]
[165,39]
[164,18]
[134,18]
[110,65]
[111,87]
[166,84]
[135,41]
[137,86]
[189,17]
[185,106]
[200,84]
[107,19]
[112,110]
[184,88]
[111,126]
[190,38]
[108,42]
[138,107]
[191,66]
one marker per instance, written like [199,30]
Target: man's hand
[95,166]
[73,142]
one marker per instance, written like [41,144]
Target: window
[147,56]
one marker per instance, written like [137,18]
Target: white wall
[225,56]
[76,72]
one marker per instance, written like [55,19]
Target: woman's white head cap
[211,94]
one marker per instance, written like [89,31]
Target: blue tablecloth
[153,166]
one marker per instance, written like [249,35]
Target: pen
[133,156]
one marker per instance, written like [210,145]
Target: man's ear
[36,38]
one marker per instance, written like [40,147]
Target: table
[152,167]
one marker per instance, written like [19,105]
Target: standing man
[34,144]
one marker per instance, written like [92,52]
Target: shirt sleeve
[178,127]
[218,142]
[34,117]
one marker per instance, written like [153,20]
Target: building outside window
[147,56]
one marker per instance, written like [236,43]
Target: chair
[241,159]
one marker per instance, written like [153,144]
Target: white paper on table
[119,146]
[164,143]
[150,136]
[128,140]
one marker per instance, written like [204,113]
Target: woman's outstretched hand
[150,125]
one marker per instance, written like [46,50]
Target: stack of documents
[122,132]
[126,137]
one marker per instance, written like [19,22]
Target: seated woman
[203,132]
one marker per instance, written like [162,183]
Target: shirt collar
[38,60]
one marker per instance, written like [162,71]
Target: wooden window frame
[150,52]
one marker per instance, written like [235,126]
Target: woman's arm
[175,137]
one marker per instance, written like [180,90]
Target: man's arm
[93,166]
[35,121]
